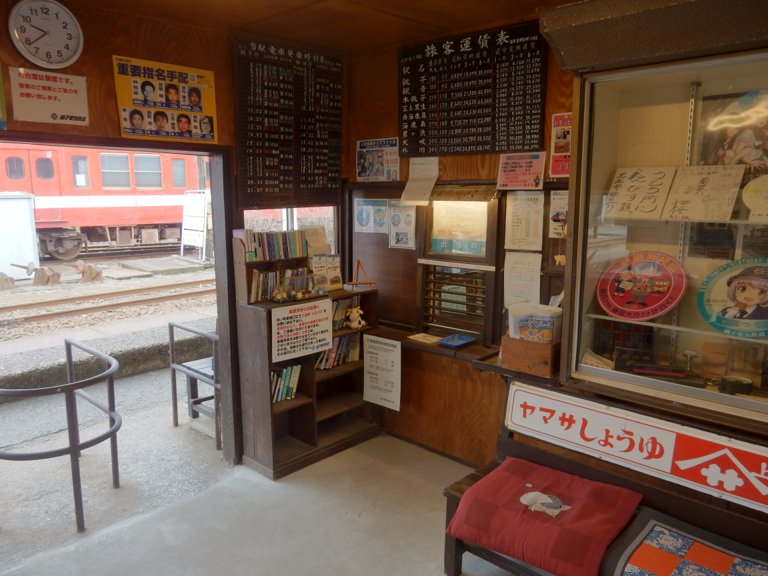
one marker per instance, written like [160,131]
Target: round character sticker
[641,286]
[733,299]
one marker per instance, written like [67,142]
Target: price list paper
[477,93]
[382,371]
[289,120]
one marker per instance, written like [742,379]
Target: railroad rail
[108,300]
[95,252]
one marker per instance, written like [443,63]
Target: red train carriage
[89,196]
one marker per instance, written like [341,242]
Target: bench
[196,370]
[748,528]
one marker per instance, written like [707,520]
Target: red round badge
[641,286]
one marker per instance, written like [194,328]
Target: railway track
[134,251]
[31,312]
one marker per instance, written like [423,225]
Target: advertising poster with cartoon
[641,286]
[167,102]
[733,299]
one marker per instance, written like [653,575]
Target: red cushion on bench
[556,521]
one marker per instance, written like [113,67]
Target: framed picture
[734,130]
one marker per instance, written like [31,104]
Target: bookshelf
[325,413]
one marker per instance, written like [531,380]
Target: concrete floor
[158,464]
[374,509]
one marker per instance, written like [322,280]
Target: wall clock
[46,33]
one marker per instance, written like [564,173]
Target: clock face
[45,33]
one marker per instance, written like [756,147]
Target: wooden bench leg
[191,396]
[452,558]
[174,398]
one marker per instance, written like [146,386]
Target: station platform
[140,344]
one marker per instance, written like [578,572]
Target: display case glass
[671,253]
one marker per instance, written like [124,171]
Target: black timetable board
[289,110]
[472,94]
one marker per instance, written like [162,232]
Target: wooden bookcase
[327,413]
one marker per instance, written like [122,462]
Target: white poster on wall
[49,97]
[301,328]
[525,221]
[382,371]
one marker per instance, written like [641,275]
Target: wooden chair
[196,370]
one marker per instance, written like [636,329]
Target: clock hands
[43,35]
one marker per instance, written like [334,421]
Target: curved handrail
[71,391]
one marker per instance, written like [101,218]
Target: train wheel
[66,248]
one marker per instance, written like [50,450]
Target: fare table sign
[716,465]
[301,328]
[473,94]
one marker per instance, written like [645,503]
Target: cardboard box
[535,322]
[536,358]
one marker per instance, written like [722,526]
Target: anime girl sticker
[733,299]
[641,286]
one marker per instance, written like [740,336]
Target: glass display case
[671,246]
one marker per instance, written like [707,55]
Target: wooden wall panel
[107,34]
[393,269]
[448,406]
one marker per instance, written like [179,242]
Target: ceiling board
[339,26]
[342,26]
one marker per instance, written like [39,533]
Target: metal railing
[72,390]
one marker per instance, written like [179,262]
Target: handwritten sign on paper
[638,192]
[703,193]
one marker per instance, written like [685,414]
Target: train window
[148,171]
[115,171]
[179,168]
[14,168]
[80,171]
[44,168]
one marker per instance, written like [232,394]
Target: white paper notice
[525,221]
[522,277]
[301,329]
[402,226]
[703,193]
[48,97]
[422,176]
[382,371]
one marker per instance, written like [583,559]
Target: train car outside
[88,197]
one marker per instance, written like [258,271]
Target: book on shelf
[328,265]
[334,350]
[317,241]
[294,383]
[354,349]
[339,310]
[345,349]
[264,246]
[286,379]
[275,384]
[284,382]
[319,271]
